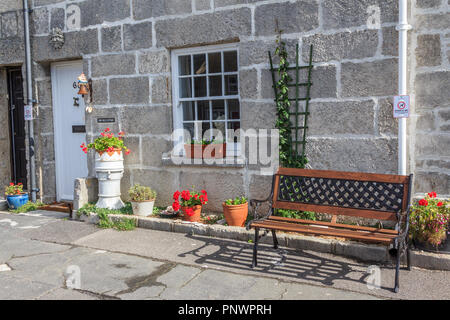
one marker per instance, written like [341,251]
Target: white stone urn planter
[109,171]
[143,208]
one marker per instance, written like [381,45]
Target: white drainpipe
[402,29]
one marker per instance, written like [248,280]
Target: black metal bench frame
[367,195]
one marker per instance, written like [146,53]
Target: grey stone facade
[126,44]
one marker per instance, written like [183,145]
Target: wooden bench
[373,196]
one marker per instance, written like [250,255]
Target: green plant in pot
[142,200]
[235,211]
[429,223]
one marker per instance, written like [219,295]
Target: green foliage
[29,206]
[307,215]
[236,201]
[107,142]
[288,157]
[141,193]
[157,210]
[14,189]
[103,215]
[206,142]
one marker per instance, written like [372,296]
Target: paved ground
[39,252]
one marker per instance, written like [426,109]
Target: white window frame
[233,149]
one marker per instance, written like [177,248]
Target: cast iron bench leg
[255,248]
[397,271]
[275,240]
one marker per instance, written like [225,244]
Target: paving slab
[302,266]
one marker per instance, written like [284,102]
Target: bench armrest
[253,209]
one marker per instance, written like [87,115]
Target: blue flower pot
[16,201]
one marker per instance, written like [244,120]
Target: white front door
[68,120]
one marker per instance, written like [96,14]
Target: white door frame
[57,134]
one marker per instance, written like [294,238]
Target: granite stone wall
[430,80]
[125,46]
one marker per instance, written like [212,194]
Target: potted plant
[109,167]
[429,223]
[142,200]
[235,211]
[191,204]
[15,195]
[205,149]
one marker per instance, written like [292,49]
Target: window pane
[233,109]
[199,63]
[203,110]
[215,86]
[185,87]
[219,131]
[188,110]
[206,131]
[184,65]
[218,110]
[232,133]
[214,62]
[189,135]
[230,61]
[200,86]
[231,84]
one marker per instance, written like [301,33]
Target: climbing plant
[289,140]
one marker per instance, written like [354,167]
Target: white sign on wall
[401,106]
[28,112]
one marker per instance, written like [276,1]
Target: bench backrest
[368,195]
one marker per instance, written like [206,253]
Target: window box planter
[210,151]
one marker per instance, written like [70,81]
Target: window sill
[228,162]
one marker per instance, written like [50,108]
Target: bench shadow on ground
[291,264]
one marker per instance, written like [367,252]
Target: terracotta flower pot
[211,151]
[195,217]
[235,215]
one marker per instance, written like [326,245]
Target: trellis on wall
[292,136]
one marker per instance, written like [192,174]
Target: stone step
[3,205]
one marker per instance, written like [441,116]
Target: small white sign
[401,106]
[28,112]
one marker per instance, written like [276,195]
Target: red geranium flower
[439,204]
[423,202]
[186,195]
[176,206]
[176,194]
[432,194]
[189,211]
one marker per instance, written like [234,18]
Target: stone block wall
[430,80]
[126,45]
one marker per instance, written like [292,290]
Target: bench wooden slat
[334,225]
[345,175]
[290,227]
[364,213]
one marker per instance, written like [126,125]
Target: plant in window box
[235,211]
[205,149]
[142,200]
[190,203]
[108,167]
[15,195]
[429,223]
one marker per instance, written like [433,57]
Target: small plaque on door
[78,129]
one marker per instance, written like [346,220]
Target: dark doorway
[17,127]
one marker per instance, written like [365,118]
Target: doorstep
[369,253]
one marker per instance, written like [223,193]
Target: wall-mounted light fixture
[85,86]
